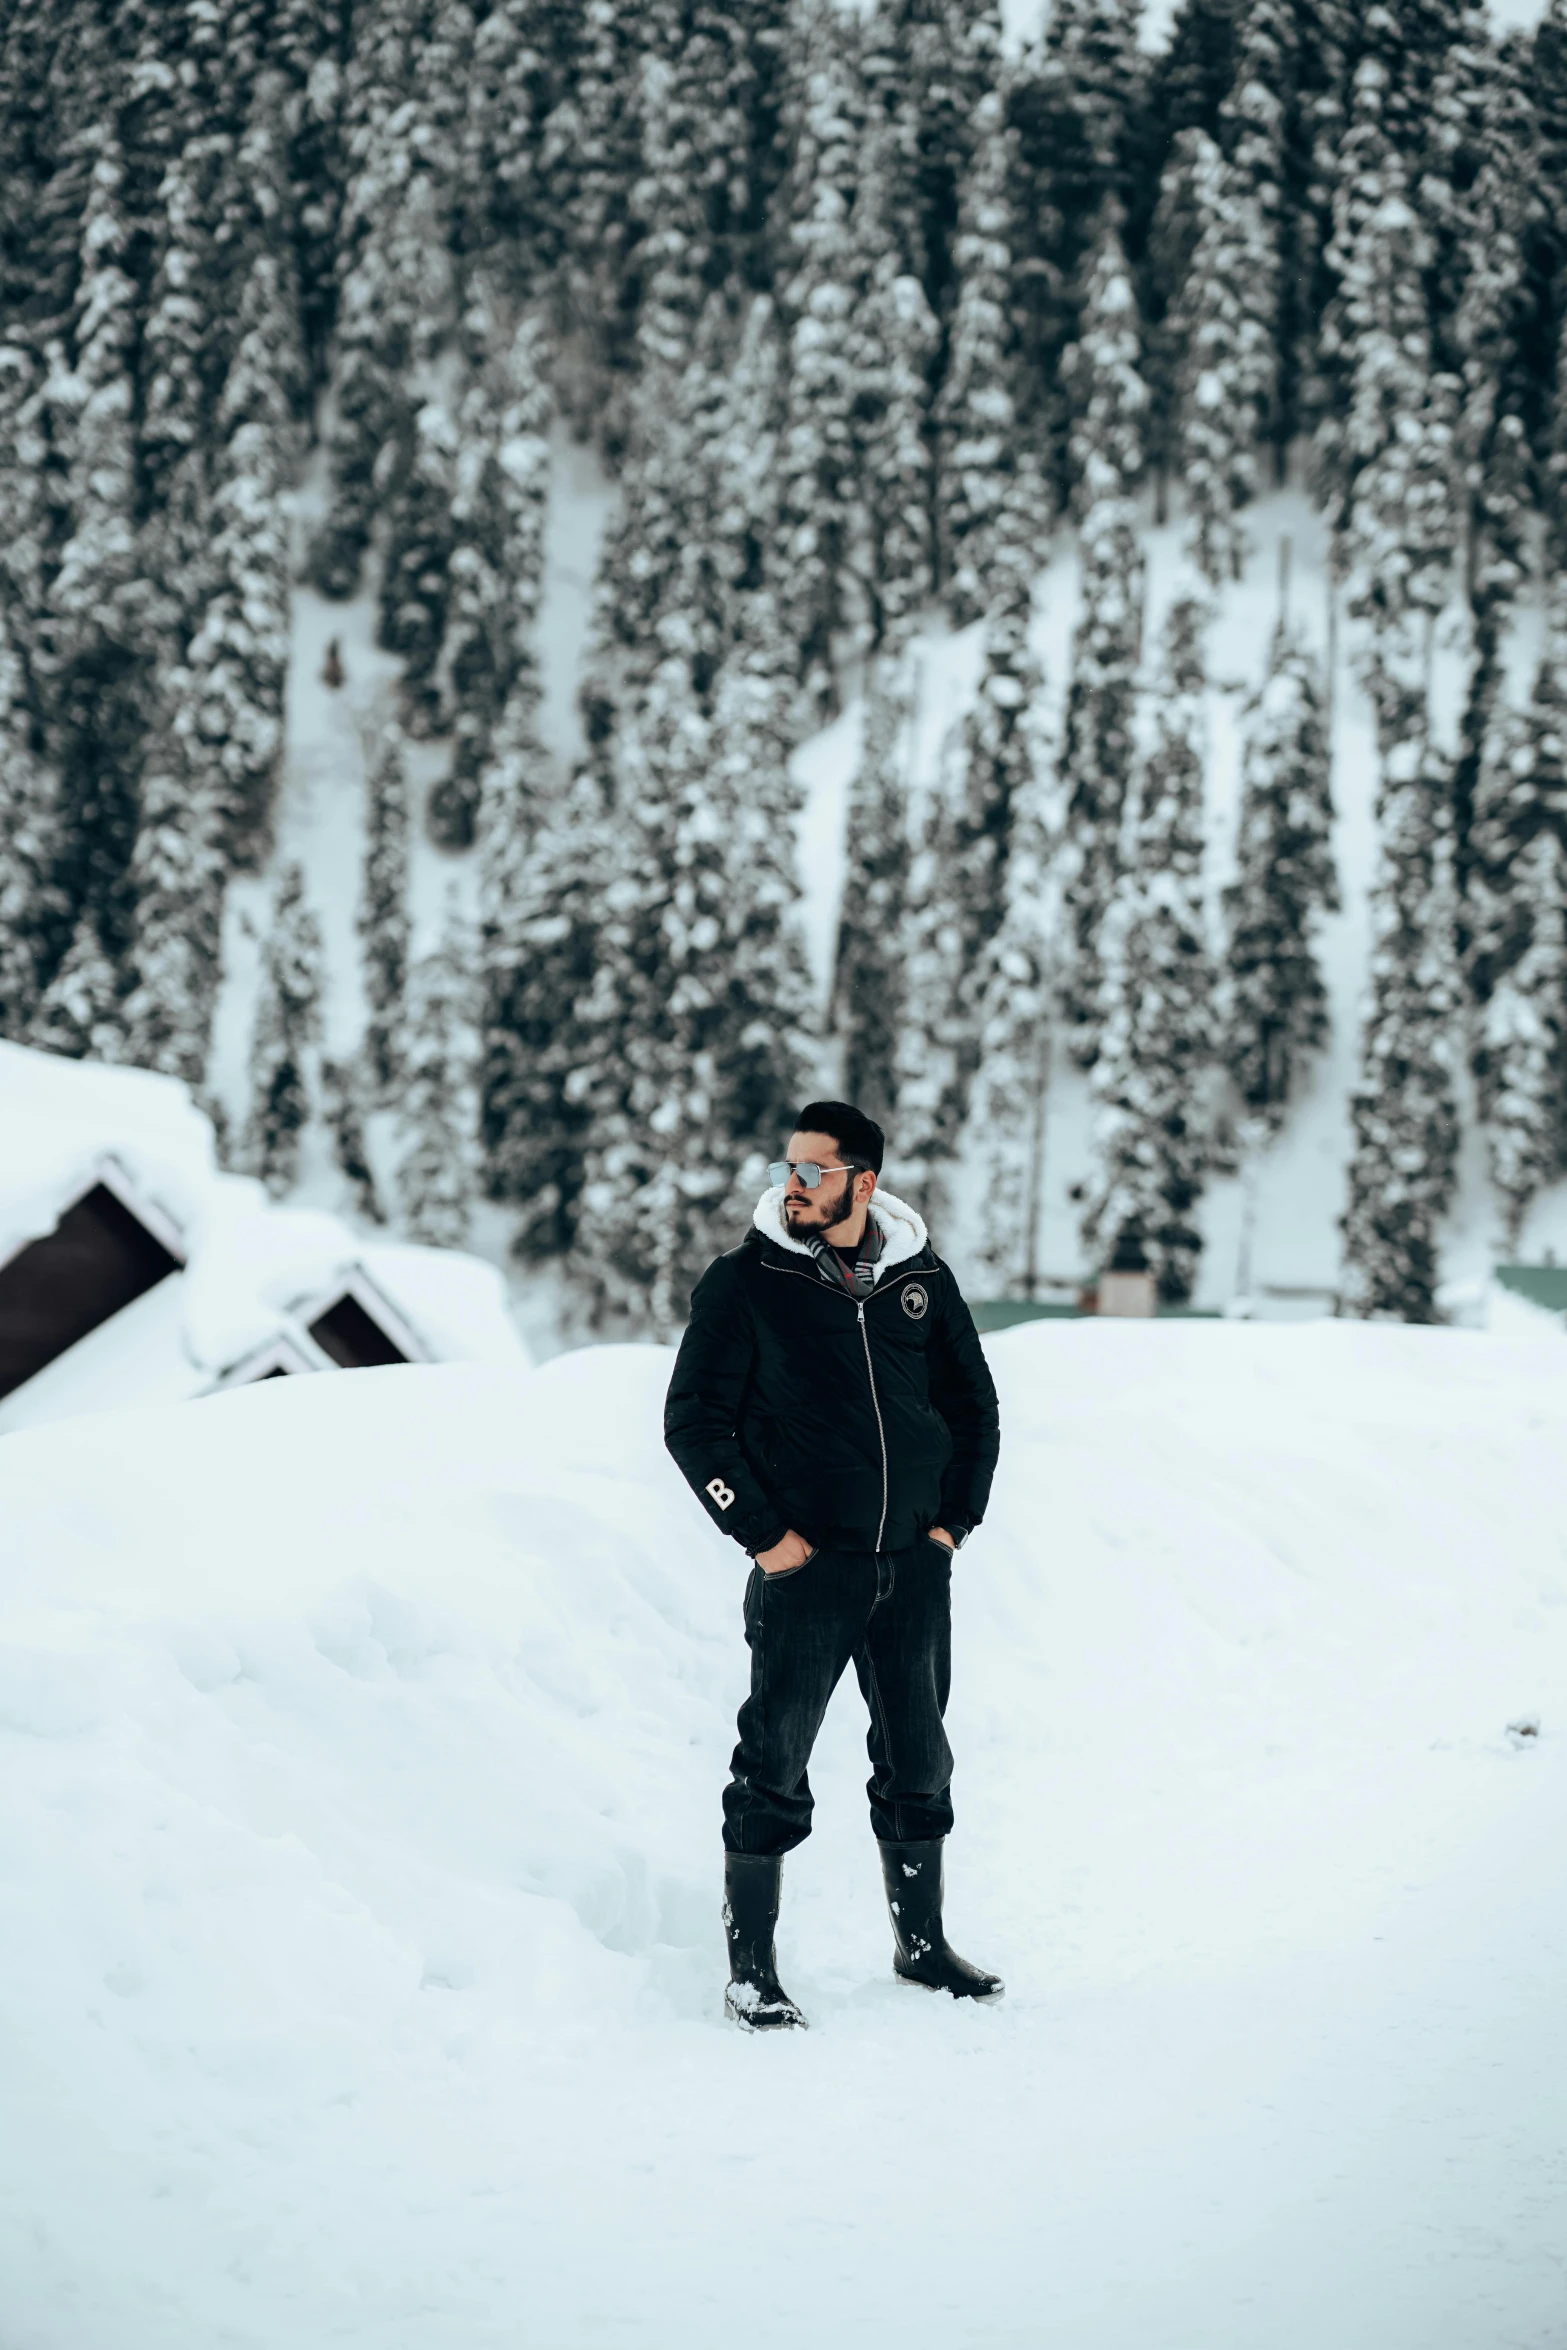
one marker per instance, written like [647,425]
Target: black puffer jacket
[859,1425]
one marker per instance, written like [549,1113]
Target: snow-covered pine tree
[822,515]
[78,1014]
[237,657]
[496,570]
[697,1062]
[438,1175]
[546,864]
[1394,508]
[1492,221]
[383,904]
[414,584]
[1276,1013]
[1226,326]
[1403,1163]
[1523,1082]
[869,976]
[83,655]
[93,397]
[756,1041]
[32,909]
[1517,841]
[181,347]
[975,412]
[1097,752]
[1018,1005]
[1158,1038]
[1262,135]
[957,888]
[512,218]
[1075,101]
[892,349]
[396,295]
[344,1105]
[285,1038]
[1522,791]
[178,874]
[698,468]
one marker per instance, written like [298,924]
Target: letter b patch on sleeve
[719,1492]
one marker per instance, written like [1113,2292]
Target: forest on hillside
[864,310]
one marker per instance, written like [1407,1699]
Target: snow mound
[360,1962]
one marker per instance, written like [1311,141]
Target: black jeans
[891,1613]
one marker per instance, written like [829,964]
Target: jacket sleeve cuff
[960,1530]
[772,1542]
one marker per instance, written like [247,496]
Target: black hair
[858,1137]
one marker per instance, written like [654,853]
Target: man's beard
[837,1215]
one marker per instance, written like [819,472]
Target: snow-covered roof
[61,1120]
[256,1275]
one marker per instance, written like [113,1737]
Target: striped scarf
[831,1266]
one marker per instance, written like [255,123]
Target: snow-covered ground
[360,1961]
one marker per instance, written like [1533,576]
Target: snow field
[360,1963]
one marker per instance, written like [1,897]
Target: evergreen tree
[414,584]
[496,571]
[396,294]
[1075,102]
[383,906]
[286,1035]
[869,979]
[438,1175]
[237,656]
[1403,1114]
[1522,792]
[1265,135]
[891,355]
[78,1014]
[1097,753]
[590,160]
[89,688]
[1395,515]
[1017,998]
[698,1063]
[821,507]
[1523,1096]
[1277,1009]
[548,994]
[975,413]
[32,909]
[1227,324]
[178,874]
[958,882]
[344,1106]
[1491,447]
[1157,1036]
[93,399]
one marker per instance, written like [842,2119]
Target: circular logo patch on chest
[915,1301]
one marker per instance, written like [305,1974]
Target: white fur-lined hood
[902,1228]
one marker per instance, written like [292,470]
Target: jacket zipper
[870,1374]
[859,1308]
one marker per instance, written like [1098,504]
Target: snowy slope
[359,1950]
[1299,1186]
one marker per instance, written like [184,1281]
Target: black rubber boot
[923,1954]
[755,1997]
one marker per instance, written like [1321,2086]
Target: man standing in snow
[832,1410]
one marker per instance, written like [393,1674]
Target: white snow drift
[360,1964]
